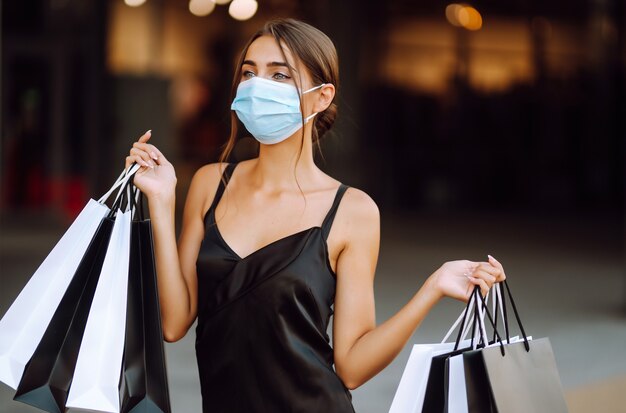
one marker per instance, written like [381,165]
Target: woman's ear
[325,98]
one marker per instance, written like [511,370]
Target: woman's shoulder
[207,177]
[210,171]
[357,221]
[358,208]
[204,184]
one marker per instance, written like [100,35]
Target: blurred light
[134,3]
[470,18]
[242,9]
[221,2]
[452,11]
[201,7]
[463,15]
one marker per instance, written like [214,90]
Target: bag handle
[477,321]
[517,317]
[499,307]
[491,322]
[119,182]
[124,188]
[496,303]
[136,199]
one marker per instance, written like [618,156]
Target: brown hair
[314,50]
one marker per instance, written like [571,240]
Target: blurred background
[485,128]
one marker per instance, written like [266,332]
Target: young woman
[270,244]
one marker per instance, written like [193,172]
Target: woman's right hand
[156,178]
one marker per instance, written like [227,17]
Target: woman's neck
[275,166]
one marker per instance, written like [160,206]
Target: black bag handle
[506,322]
[517,317]
[462,327]
[474,303]
[491,322]
[500,304]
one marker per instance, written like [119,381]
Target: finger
[139,161]
[145,159]
[497,264]
[483,275]
[145,137]
[152,150]
[484,288]
[134,159]
[484,266]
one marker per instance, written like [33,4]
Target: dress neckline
[258,250]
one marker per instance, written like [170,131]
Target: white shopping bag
[25,322]
[95,385]
[410,393]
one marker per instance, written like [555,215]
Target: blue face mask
[268,109]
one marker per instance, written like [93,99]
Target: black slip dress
[261,339]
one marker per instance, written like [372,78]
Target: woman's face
[265,59]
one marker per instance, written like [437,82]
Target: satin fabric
[261,339]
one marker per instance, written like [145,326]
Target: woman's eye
[280,76]
[247,74]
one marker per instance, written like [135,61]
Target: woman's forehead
[265,49]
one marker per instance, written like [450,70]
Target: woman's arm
[175,265]
[361,348]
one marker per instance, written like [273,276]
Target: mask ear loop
[313,88]
[311,116]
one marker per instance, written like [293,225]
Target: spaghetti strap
[228,171]
[328,220]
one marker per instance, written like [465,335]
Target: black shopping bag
[47,376]
[435,398]
[523,378]
[144,385]
[436,389]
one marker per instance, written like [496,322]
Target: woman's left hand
[456,279]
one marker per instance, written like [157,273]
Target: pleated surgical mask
[270,110]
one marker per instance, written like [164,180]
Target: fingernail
[154,155]
[148,131]
[491,258]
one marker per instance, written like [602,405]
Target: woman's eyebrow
[270,64]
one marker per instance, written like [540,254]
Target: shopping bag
[144,380]
[437,385]
[98,366]
[454,375]
[411,392]
[522,378]
[24,323]
[47,375]
[455,385]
